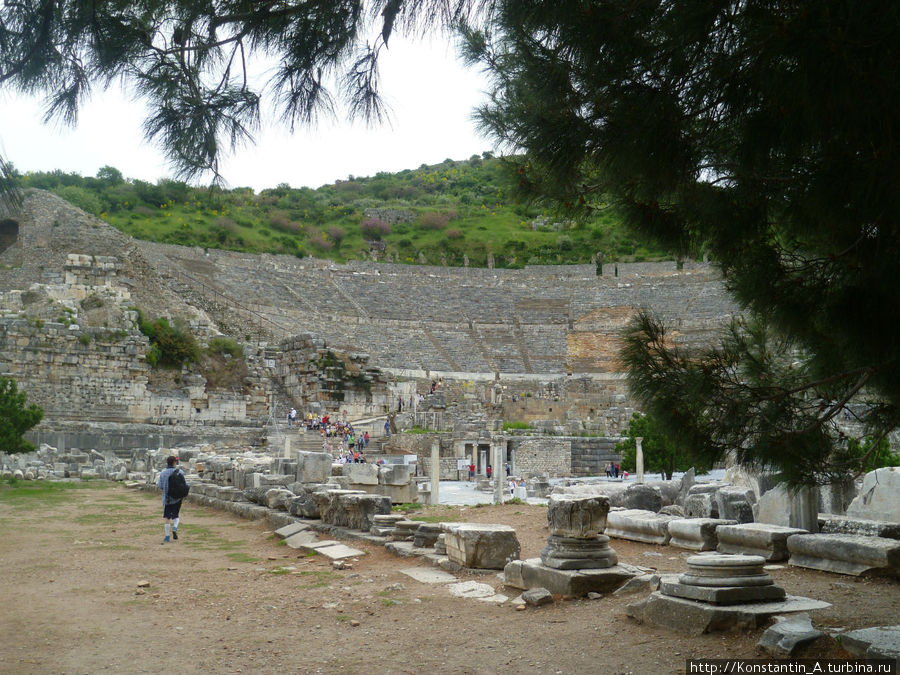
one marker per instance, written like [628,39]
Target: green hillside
[434,215]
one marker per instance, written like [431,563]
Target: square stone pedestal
[696,618]
[531,573]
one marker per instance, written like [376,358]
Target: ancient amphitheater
[550,333]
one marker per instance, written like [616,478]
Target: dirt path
[221,601]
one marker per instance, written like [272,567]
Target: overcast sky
[430,93]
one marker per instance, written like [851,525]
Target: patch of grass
[282,543]
[280,570]
[106,518]
[390,602]
[315,573]
[311,587]
[38,494]
[342,618]
[409,506]
[434,519]
[241,557]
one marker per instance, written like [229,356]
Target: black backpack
[178,487]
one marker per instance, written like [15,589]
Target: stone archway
[9,233]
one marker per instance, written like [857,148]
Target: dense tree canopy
[763,134]
[662,454]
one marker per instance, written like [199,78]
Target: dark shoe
[165,540]
[175,535]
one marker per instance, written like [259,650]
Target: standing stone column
[499,473]
[287,447]
[435,470]
[639,458]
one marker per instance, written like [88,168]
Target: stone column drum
[723,579]
[575,540]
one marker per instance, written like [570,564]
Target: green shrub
[516,425]
[224,345]
[171,346]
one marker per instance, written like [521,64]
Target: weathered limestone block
[579,517]
[696,534]
[880,642]
[256,495]
[845,553]
[639,525]
[313,467]
[870,528]
[644,497]
[769,541]
[228,494]
[879,497]
[400,494]
[532,573]
[536,597]
[779,506]
[357,510]
[394,474]
[333,511]
[695,618]
[788,634]
[736,503]
[304,504]
[278,498]
[361,474]
[481,546]
[668,491]
[701,505]
[426,535]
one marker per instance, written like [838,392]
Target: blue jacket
[164,484]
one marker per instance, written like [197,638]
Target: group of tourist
[612,470]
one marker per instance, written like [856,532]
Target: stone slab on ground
[471,589]
[301,540]
[696,534]
[845,553]
[428,576]
[405,549]
[537,597]
[531,573]
[696,618]
[788,634]
[639,525]
[769,541]
[288,530]
[880,642]
[339,551]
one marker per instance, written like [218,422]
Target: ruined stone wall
[536,455]
[312,373]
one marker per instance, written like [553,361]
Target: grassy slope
[456,210]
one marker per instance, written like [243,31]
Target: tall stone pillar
[435,470]
[499,463]
[287,447]
[639,458]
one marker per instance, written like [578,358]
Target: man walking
[171,503]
